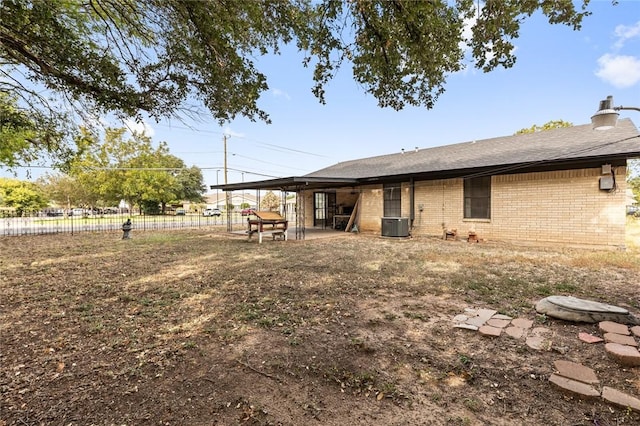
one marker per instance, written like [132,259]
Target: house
[563,186]
[237,200]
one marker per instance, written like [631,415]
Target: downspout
[412,202]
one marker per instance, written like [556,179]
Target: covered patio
[323,214]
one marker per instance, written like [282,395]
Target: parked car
[247,212]
[51,212]
[211,212]
[78,212]
[180,212]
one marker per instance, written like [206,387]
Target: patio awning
[290,184]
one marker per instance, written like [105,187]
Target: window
[477,198]
[392,200]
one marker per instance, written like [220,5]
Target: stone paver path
[621,345]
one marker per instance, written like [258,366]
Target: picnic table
[267,223]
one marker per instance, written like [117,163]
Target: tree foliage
[157,56]
[132,169]
[270,202]
[633,177]
[64,190]
[21,195]
[549,125]
[24,134]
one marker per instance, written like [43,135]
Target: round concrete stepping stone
[579,310]
[623,354]
[500,323]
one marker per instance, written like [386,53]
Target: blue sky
[560,74]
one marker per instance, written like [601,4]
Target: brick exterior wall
[561,207]
[565,207]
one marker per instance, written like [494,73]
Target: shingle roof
[571,143]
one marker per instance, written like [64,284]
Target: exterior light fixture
[607,115]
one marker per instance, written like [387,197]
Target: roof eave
[288,184]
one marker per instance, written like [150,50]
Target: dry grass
[633,233]
[196,328]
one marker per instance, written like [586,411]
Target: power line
[270,145]
[267,162]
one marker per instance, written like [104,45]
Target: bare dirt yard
[205,328]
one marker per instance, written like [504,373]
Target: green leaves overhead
[25,134]
[131,56]
[168,57]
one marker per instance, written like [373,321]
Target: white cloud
[624,33]
[619,70]
[227,131]
[280,94]
[141,127]
[467,35]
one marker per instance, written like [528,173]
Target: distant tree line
[104,173]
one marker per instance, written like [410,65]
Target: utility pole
[224,138]
[226,193]
[217,191]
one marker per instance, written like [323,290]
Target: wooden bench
[268,223]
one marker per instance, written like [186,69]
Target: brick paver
[522,323]
[620,399]
[620,338]
[486,313]
[613,327]
[571,377]
[589,338]
[536,342]
[515,332]
[575,371]
[489,331]
[625,355]
[583,390]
